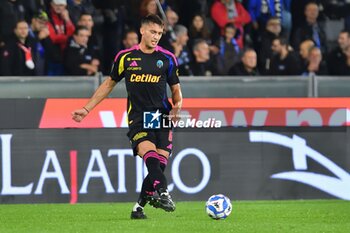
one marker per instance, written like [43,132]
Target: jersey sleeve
[173,74]
[118,67]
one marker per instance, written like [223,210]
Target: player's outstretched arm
[176,95]
[101,93]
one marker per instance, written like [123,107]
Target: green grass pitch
[247,216]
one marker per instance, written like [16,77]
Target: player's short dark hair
[151,18]
[80,28]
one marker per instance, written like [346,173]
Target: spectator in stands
[43,49]
[11,11]
[230,11]
[304,50]
[337,9]
[79,58]
[311,29]
[337,60]
[86,20]
[31,7]
[189,9]
[247,66]
[172,20]
[169,37]
[16,55]
[78,7]
[298,14]
[347,68]
[61,28]
[148,7]
[130,39]
[305,47]
[202,64]
[284,61]
[165,5]
[114,19]
[315,64]
[198,29]
[181,50]
[261,10]
[272,31]
[229,50]
[132,9]
[172,17]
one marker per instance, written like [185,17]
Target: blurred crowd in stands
[209,37]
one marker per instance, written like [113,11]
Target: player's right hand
[79,114]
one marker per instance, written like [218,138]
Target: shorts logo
[159,64]
[151,120]
[139,136]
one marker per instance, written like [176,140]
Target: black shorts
[162,138]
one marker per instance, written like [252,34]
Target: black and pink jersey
[146,76]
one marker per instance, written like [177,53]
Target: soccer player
[147,68]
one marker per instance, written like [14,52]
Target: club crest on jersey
[159,64]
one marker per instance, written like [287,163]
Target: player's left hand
[79,114]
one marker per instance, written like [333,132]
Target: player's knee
[151,159]
[144,147]
[163,153]
[163,161]
[154,160]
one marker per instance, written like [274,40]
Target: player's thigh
[164,142]
[141,141]
[145,146]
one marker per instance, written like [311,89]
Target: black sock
[162,166]
[147,187]
[156,176]
[163,163]
[146,190]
